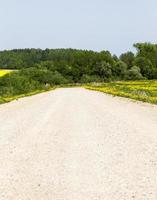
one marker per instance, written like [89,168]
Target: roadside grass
[11,98]
[8,99]
[3,72]
[145,90]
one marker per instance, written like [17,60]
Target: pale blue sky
[84,24]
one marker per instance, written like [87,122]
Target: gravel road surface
[75,144]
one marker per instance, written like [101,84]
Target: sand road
[75,144]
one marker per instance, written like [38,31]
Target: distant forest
[36,68]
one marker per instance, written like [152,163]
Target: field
[139,90]
[3,72]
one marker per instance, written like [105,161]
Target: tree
[104,70]
[146,67]
[120,70]
[148,51]
[134,73]
[90,78]
[128,58]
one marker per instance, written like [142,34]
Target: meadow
[145,91]
[3,72]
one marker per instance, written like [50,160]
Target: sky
[113,25]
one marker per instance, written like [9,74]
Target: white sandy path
[75,144]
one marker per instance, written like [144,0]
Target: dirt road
[75,144]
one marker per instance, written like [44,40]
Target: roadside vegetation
[139,90]
[41,70]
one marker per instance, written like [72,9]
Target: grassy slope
[139,90]
[8,99]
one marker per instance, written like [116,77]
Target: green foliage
[29,79]
[104,70]
[135,74]
[17,83]
[128,58]
[120,70]
[90,79]
[39,69]
[148,51]
[146,67]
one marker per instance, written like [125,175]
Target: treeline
[43,68]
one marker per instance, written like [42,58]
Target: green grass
[145,91]
[3,72]
[11,98]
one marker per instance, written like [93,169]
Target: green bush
[89,79]
[134,74]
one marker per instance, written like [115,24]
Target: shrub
[134,74]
